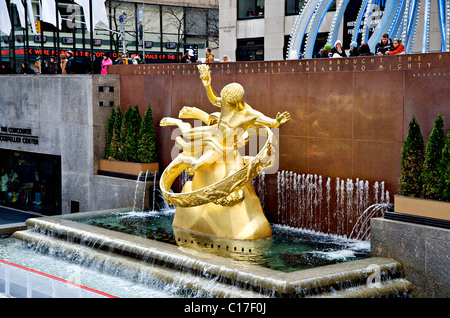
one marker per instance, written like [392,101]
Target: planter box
[127,170]
[422,207]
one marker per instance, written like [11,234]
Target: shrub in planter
[115,138]
[433,155]
[410,182]
[109,132]
[130,138]
[444,172]
[124,132]
[147,143]
[133,136]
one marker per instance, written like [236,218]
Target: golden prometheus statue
[220,200]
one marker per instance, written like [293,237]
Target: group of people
[189,57]
[121,60]
[66,65]
[386,46]
[9,186]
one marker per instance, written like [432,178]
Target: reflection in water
[252,251]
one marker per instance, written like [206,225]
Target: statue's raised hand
[283,118]
[205,74]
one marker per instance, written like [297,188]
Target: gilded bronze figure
[220,200]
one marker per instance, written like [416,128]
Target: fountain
[218,242]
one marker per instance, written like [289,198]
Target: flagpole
[42,36]
[91,40]
[13,33]
[74,40]
[143,32]
[57,28]
[26,30]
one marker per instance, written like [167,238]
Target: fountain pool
[123,253]
[289,250]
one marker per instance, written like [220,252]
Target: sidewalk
[12,220]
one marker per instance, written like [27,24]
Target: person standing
[338,49]
[70,66]
[189,57]
[353,49]
[384,45]
[397,48]
[52,66]
[209,56]
[63,63]
[325,52]
[105,63]
[364,50]
[97,65]
[119,60]
[4,180]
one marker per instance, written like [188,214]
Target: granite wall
[67,115]
[422,250]
[350,116]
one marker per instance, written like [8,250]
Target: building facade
[261,29]
[160,30]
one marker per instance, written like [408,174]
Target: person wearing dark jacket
[189,57]
[384,45]
[6,69]
[325,52]
[338,49]
[364,50]
[52,66]
[70,66]
[26,69]
[97,65]
[353,49]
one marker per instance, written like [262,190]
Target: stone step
[192,264]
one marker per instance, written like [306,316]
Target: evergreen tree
[147,142]
[109,132]
[430,174]
[115,139]
[412,161]
[444,172]
[123,133]
[134,126]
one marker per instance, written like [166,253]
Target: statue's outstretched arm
[205,75]
[281,119]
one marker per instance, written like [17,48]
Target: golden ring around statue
[224,187]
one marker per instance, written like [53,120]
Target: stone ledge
[422,250]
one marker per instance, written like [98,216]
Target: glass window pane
[294,6]
[248,9]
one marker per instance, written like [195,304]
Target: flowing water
[309,202]
[82,269]
[304,202]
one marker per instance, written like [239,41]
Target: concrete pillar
[227,28]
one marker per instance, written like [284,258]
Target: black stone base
[417,219]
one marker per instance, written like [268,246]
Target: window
[250,9]
[33,181]
[250,49]
[295,6]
